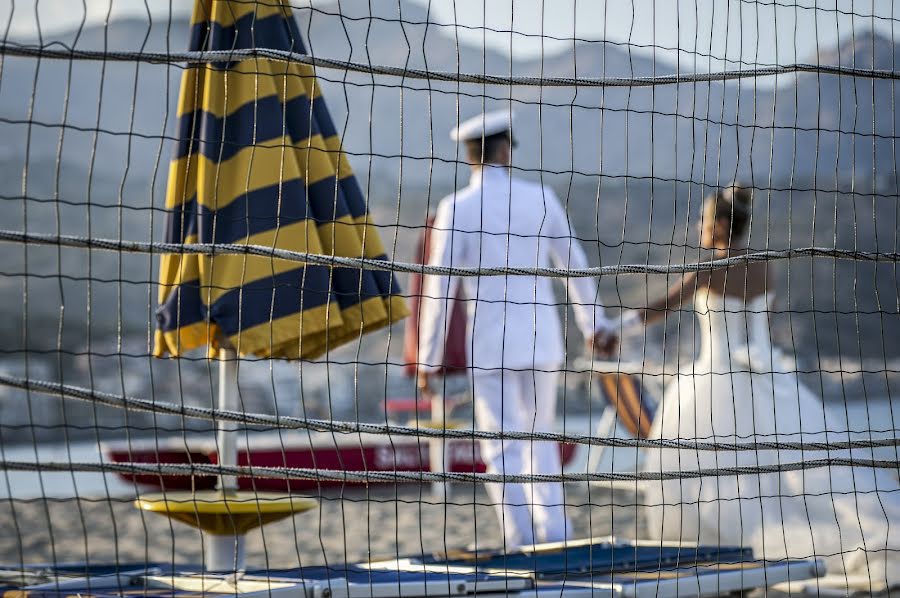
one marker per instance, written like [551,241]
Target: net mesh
[707,191]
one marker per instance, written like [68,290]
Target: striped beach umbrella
[258,161]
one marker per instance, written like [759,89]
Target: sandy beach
[355,525]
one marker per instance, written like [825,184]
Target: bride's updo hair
[733,203]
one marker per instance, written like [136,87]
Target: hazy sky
[753,31]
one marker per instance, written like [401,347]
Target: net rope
[291,473]
[226,56]
[784,451]
[394,266]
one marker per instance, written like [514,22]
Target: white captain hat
[483,125]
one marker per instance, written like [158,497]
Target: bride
[736,392]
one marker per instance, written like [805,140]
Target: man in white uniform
[515,338]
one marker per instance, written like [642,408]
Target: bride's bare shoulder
[743,280]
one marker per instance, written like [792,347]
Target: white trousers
[522,401]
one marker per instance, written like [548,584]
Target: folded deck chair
[629,412]
[455,356]
[626,397]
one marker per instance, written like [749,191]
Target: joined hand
[604,343]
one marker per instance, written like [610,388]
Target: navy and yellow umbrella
[258,161]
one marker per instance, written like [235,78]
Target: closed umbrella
[258,161]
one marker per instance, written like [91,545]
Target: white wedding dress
[736,392]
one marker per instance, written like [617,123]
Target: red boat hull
[463,457]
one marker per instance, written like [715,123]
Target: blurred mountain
[617,131]
[811,127]
[835,132]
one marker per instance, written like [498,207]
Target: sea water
[24,485]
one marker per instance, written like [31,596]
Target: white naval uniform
[515,338]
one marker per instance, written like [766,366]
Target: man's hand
[423,382]
[604,343]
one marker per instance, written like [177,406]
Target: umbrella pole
[436,450]
[226,437]
[225,552]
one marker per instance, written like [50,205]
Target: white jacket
[512,321]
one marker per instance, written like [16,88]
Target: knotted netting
[313,280]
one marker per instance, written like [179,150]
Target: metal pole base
[227,436]
[439,463]
[224,554]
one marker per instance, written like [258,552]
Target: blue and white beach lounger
[345,581]
[605,568]
[609,567]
